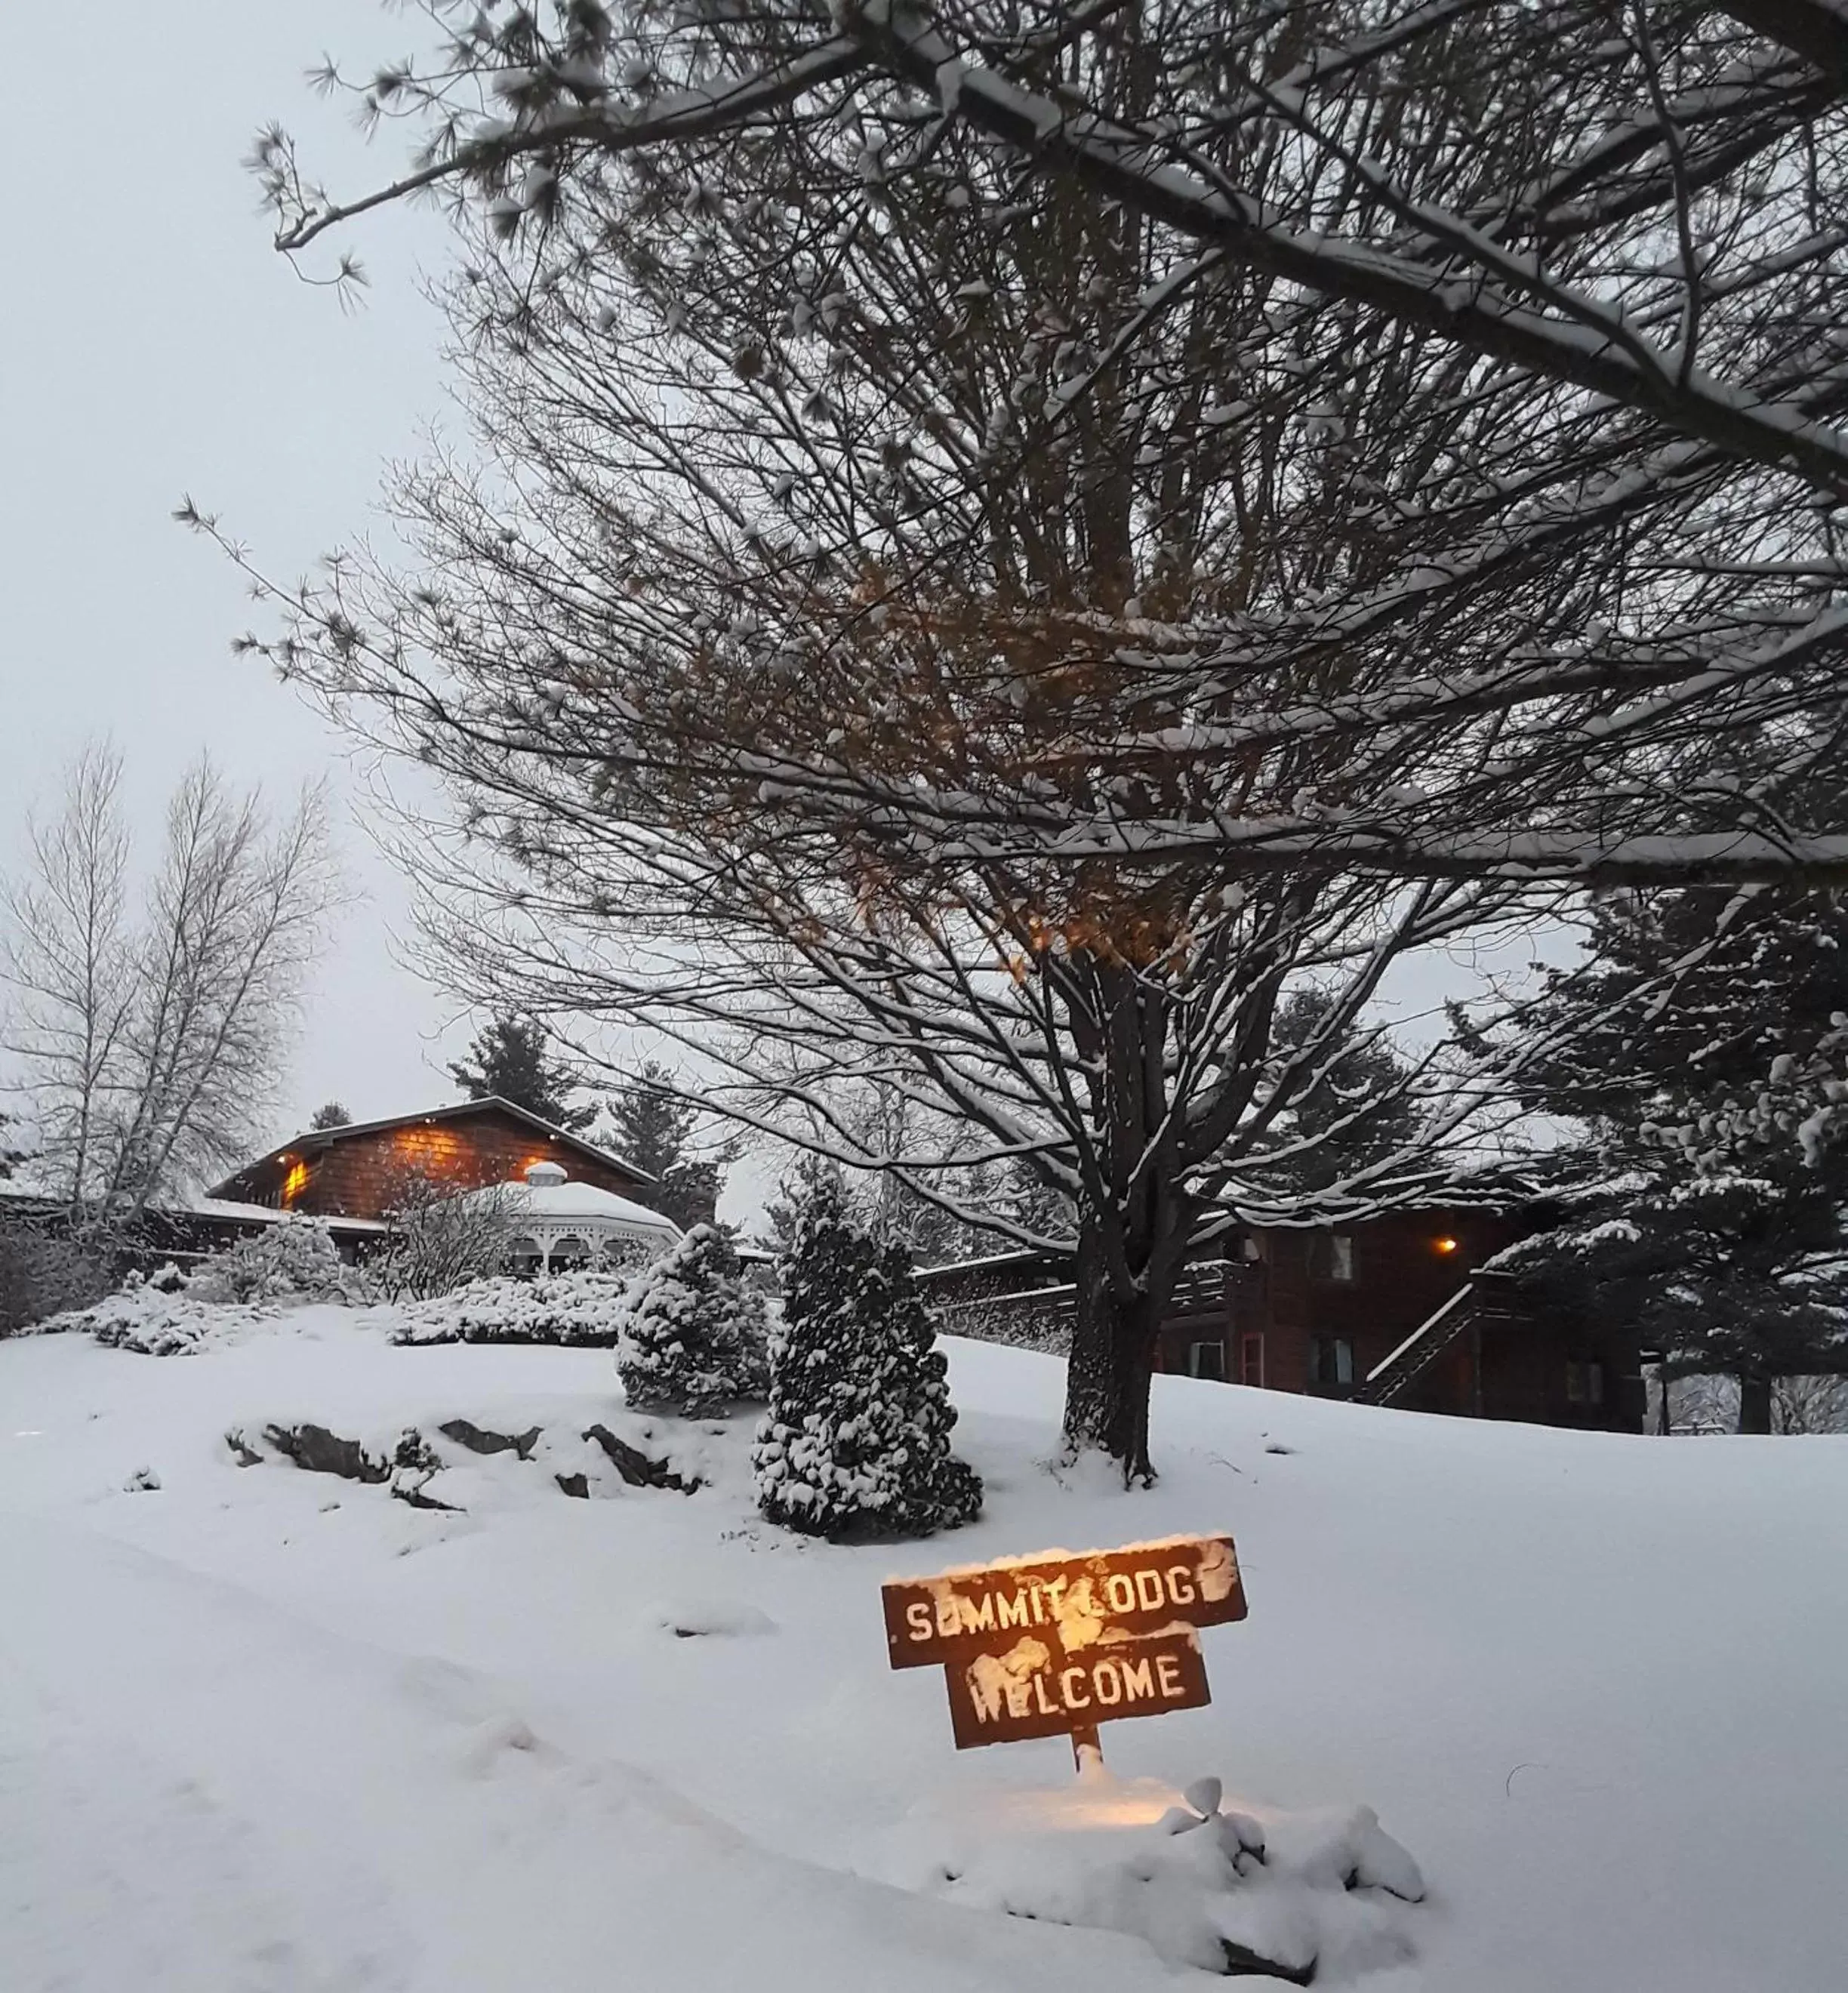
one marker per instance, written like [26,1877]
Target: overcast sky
[153,344]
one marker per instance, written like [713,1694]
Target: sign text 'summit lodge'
[1040,1646]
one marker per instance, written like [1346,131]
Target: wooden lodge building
[1395,1310]
[351,1177]
[357,1172]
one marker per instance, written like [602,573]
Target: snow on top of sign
[1148,1547]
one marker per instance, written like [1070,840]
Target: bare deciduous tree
[69,957]
[1711,1404]
[442,1237]
[1020,537]
[860,760]
[147,1046]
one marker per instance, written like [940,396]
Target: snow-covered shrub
[585,1309]
[693,1336]
[170,1313]
[1307,1897]
[293,1261]
[856,1440]
[155,1321]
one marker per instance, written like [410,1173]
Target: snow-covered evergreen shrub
[156,1321]
[170,1313]
[856,1440]
[583,1309]
[295,1261]
[693,1336]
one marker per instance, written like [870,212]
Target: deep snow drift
[266,1730]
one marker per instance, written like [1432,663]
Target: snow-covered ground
[265,1731]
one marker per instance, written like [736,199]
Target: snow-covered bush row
[694,1335]
[294,1263]
[856,1440]
[152,1321]
[1011,1325]
[584,1309]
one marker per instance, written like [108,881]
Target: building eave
[318,1141]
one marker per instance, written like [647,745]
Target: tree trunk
[1754,1404]
[1114,1339]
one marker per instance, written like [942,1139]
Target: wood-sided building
[1395,1310]
[352,1178]
[359,1171]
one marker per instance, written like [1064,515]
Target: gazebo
[561,1226]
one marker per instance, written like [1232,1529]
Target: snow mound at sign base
[1328,1893]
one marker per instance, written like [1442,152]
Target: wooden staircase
[1485,1298]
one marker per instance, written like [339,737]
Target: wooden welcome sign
[1052,1644]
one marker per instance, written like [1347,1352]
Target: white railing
[1463,1294]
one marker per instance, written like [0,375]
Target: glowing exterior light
[1446,1244]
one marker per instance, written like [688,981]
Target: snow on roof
[1018,1256]
[265,1214]
[576,1203]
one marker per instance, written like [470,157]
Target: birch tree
[146,1045]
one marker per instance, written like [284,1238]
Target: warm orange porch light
[1446,1244]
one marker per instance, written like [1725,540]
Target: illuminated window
[294,1184]
[436,1154]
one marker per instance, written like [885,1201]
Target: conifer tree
[1356,1108]
[652,1127]
[692,1339]
[1729,1257]
[856,1440]
[509,1059]
[796,1190]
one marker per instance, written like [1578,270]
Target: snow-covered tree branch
[1608,251]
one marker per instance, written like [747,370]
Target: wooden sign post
[1052,1644]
